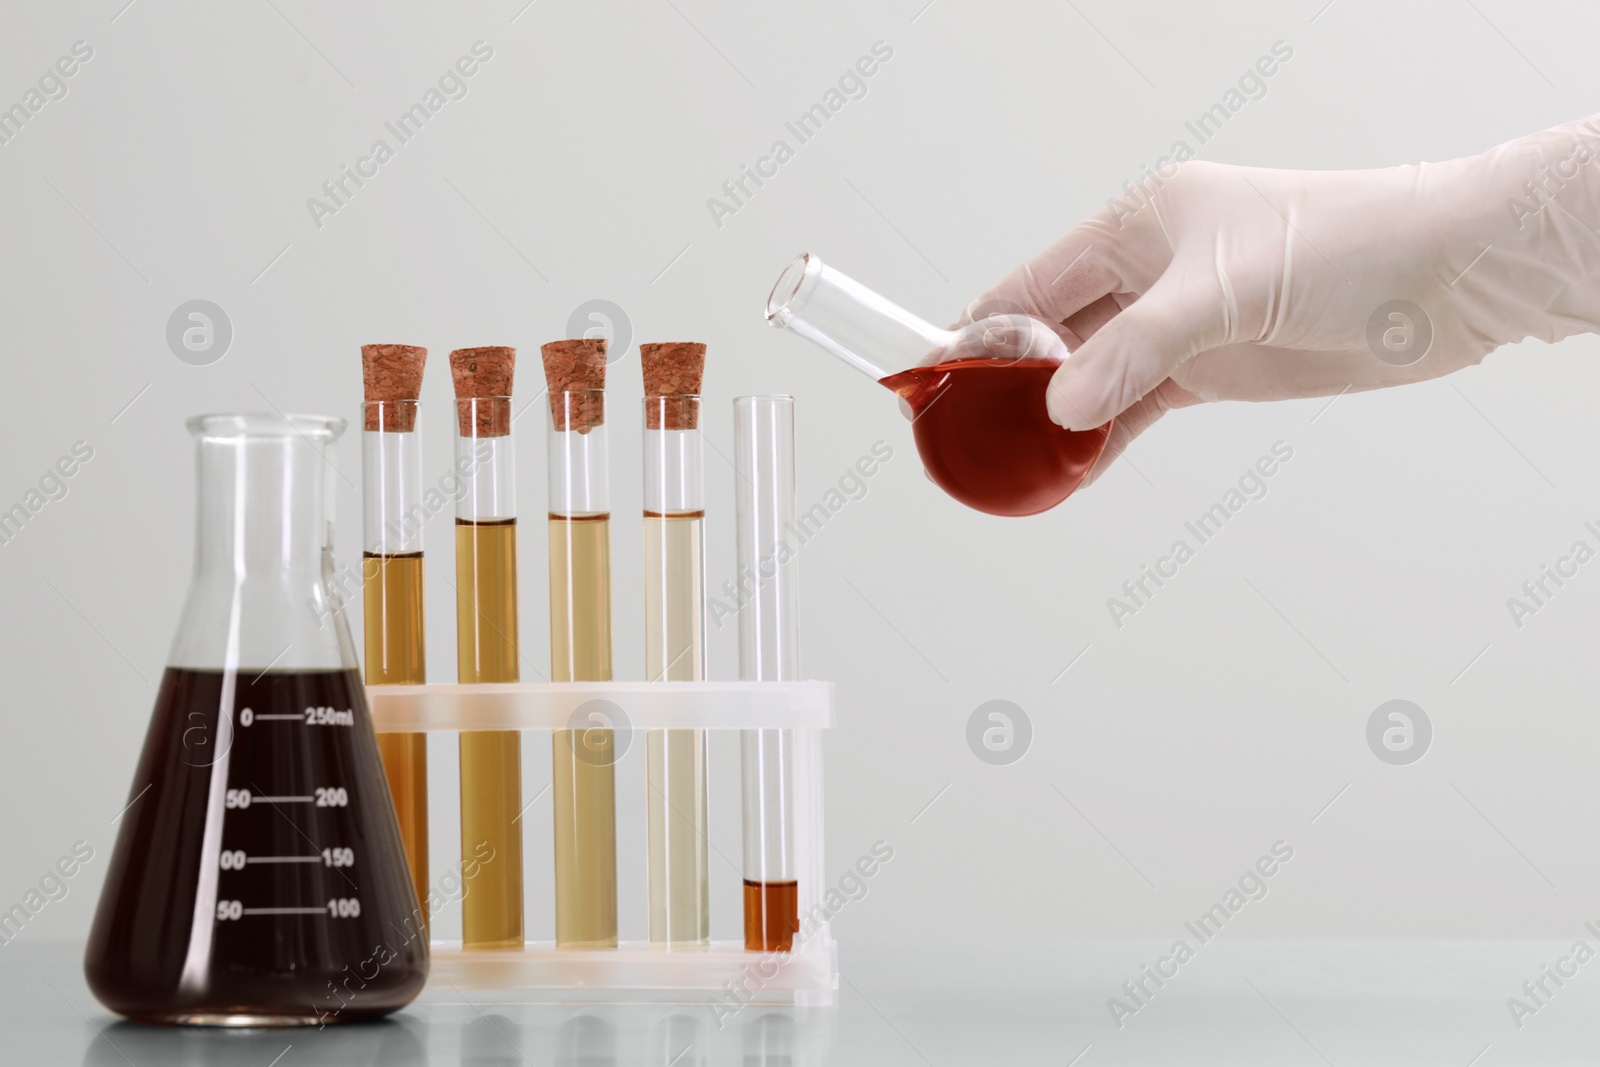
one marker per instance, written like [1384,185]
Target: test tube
[674,637]
[583,758]
[486,645]
[391,578]
[769,651]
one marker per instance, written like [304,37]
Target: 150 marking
[235,859]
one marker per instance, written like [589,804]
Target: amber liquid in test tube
[769,651]
[391,577]
[674,636]
[583,758]
[486,646]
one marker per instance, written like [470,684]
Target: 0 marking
[248,717]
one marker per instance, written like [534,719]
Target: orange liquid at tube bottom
[986,438]
[771,915]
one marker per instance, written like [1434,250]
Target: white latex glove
[1218,282]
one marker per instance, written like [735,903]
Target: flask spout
[876,336]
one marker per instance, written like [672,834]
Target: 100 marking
[338,908]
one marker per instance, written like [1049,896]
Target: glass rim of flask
[263,425]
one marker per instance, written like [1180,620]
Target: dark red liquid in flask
[257,877]
[986,438]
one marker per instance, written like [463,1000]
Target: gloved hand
[1215,282]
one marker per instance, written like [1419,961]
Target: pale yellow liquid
[391,589]
[491,760]
[673,635]
[583,785]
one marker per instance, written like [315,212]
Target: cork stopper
[481,373]
[573,366]
[672,369]
[389,373]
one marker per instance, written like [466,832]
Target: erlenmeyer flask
[976,395]
[258,877]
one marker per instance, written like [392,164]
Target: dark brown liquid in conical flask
[258,876]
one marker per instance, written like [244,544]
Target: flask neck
[264,590]
[260,509]
[874,335]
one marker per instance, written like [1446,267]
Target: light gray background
[1174,751]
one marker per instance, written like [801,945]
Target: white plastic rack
[639,971]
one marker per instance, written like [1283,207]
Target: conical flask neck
[260,509]
[874,335]
[263,589]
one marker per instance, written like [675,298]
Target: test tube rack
[641,971]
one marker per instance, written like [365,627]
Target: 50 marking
[325,797]
[338,908]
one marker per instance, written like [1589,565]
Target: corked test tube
[391,577]
[674,637]
[769,651]
[583,758]
[486,645]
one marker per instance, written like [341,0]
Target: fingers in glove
[1061,281]
[1086,323]
[1137,419]
[1136,350]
